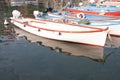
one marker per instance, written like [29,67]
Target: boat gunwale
[93,12]
[91,31]
[112,17]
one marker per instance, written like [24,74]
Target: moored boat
[93,12]
[80,15]
[46,27]
[113,4]
[95,21]
[96,9]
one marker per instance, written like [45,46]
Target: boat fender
[81,15]
[24,25]
[59,33]
[39,30]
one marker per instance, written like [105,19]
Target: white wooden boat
[60,31]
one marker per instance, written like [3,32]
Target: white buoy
[6,22]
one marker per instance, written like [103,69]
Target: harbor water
[24,56]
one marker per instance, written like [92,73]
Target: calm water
[35,58]
[29,57]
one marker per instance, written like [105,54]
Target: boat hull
[47,29]
[94,12]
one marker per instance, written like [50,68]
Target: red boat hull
[94,13]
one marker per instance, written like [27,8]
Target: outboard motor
[16,14]
[36,14]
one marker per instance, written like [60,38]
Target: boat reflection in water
[68,48]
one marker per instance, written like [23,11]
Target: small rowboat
[46,27]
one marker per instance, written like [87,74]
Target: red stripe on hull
[95,13]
